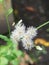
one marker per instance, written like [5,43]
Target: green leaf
[15,62]
[5,50]
[3,61]
[18,53]
[2,50]
[5,38]
[9,12]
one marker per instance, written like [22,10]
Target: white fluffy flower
[31,32]
[27,44]
[27,38]
[18,33]
[19,24]
[13,37]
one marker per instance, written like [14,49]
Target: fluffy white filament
[25,36]
[18,33]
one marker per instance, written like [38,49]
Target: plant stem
[8,25]
[42,25]
[6,17]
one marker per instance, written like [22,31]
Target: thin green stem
[6,17]
[8,25]
[42,25]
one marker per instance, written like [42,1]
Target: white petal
[38,48]
[27,43]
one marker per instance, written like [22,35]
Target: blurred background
[33,13]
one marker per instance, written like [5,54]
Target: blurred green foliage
[1,1]
[9,53]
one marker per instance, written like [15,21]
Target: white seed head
[31,32]
[18,32]
[27,44]
[26,36]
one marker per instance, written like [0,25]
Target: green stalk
[42,25]
[8,25]
[3,3]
